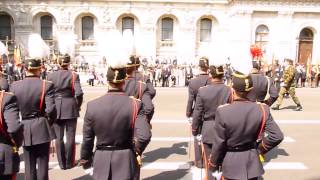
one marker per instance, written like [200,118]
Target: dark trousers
[33,156]
[8,177]
[91,82]
[207,150]
[65,151]
[197,154]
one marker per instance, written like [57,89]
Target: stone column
[146,41]
[285,41]
[22,33]
[240,28]
[186,44]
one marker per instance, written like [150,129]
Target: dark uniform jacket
[139,90]
[194,85]
[9,161]
[37,123]
[4,85]
[110,119]
[68,93]
[209,98]
[236,131]
[142,77]
[263,85]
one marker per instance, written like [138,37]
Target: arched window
[306,35]
[167,29]
[5,26]
[262,34]
[46,27]
[87,28]
[205,30]
[128,24]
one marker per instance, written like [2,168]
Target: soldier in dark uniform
[208,99]
[121,136]
[262,86]
[138,88]
[35,99]
[288,86]
[238,139]
[140,76]
[68,100]
[11,136]
[201,80]
[4,85]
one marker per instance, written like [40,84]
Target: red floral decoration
[255,51]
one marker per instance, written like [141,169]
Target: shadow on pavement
[289,107]
[273,154]
[176,174]
[85,177]
[164,152]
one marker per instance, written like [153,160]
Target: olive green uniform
[288,85]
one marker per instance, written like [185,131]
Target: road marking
[186,165]
[285,166]
[175,139]
[196,172]
[52,165]
[173,121]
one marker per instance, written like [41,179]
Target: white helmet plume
[37,47]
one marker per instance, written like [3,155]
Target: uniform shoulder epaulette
[224,105]
[132,97]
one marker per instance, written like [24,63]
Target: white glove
[283,84]
[199,137]
[190,120]
[217,175]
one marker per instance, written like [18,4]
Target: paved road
[167,156]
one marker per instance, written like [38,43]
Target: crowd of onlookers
[165,73]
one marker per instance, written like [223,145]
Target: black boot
[277,107]
[298,108]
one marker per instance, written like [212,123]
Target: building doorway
[305,45]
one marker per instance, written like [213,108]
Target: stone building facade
[176,29]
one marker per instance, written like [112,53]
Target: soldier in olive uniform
[68,100]
[35,99]
[201,80]
[11,136]
[122,135]
[208,99]
[238,139]
[138,88]
[288,86]
[262,86]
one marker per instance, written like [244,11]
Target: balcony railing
[88,43]
[166,43]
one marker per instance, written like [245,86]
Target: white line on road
[181,121]
[168,121]
[187,166]
[285,166]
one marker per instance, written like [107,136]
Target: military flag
[17,55]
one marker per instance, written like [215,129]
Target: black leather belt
[242,148]
[110,148]
[31,118]
[65,94]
